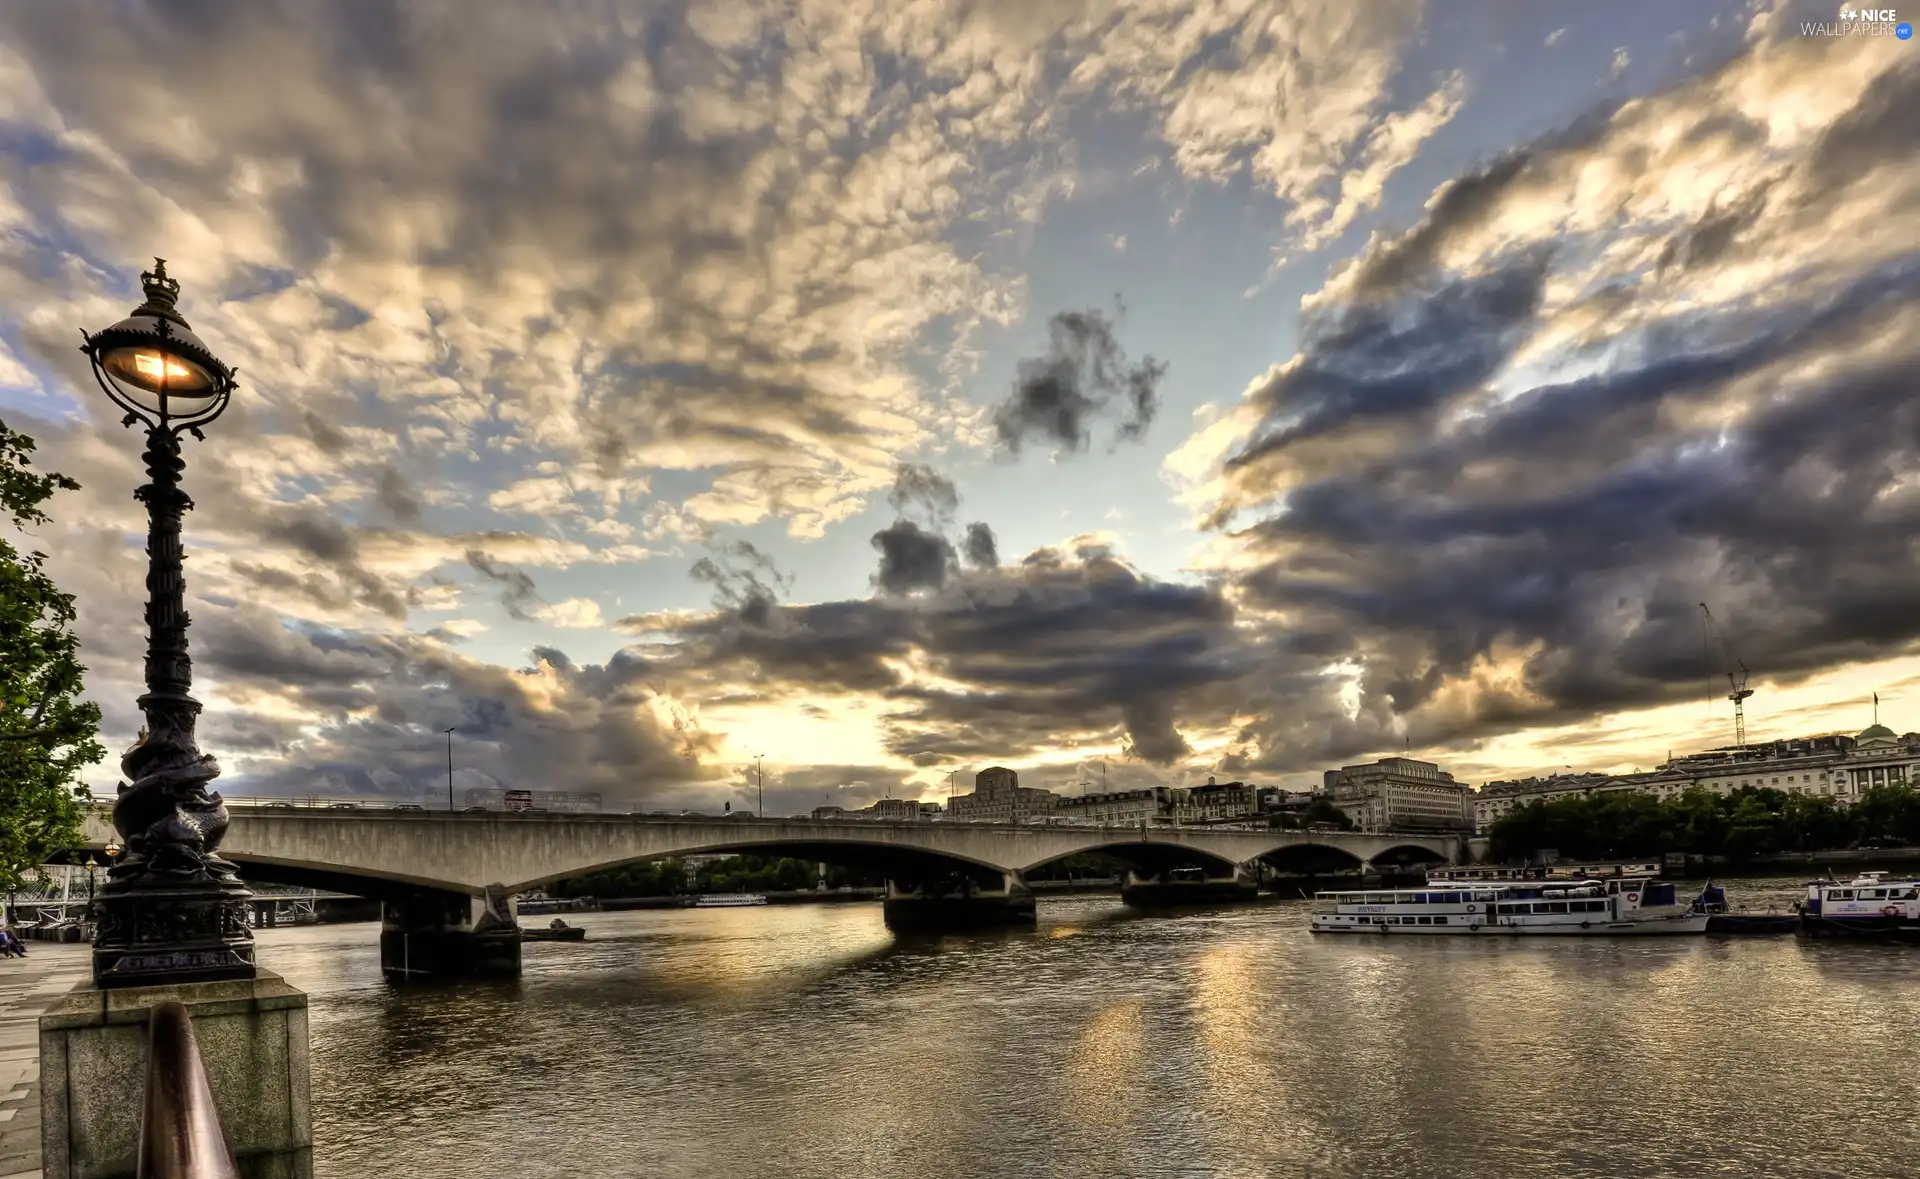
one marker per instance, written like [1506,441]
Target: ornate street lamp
[172,910]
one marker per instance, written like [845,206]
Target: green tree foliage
[47,733]
[1320,813]
[1750,821]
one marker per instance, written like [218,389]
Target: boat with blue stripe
[1868,906]
[1615,907]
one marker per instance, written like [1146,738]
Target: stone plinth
[93,1071]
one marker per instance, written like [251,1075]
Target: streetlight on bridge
[449,732]
[171,910]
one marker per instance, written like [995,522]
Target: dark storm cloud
[330,440]
[518,594]
[1463,207]
[1879,133]
[334,576]
[912,558]
[1541,558]
[1391,366]
[1084,375]
[920,488]
[1076,646]
[396,496]
[555,725]
[745,580]
[983,551]
[247,646]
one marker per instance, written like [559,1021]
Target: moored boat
[557,931]
[1722,918]
[1869,906]
[728,900]
[1620,906]
[1460,873]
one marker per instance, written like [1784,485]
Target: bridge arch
[1409,854]
[891,860]
[1146,856]
[1307,858]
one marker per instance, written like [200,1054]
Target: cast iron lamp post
[171,911]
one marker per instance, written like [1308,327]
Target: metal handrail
[180,1134]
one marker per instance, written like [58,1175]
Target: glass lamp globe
[160,382]
[153,365]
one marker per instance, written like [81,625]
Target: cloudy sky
[898,387]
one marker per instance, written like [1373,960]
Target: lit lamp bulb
[172,386]
[158,368]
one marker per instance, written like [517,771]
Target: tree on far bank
[1321,812]
[47,732]
[1750,821]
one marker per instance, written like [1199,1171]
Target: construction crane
[1736,675]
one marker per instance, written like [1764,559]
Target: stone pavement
[27,986]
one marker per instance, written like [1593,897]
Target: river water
[806,1041]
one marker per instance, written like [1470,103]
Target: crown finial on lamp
[162,293]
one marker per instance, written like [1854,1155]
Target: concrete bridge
[446,880]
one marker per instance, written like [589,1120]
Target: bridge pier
[449,935]
[958,903]
[1187,886]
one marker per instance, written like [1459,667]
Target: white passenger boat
[1503,872]
[1605,908]
[728,900]
[1869,905]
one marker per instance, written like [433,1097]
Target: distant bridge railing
[1248,823]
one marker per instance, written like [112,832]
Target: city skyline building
[998,797]
[1831,766]
[1400,793]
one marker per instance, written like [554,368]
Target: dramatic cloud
[1665,356]
[1083,376]
[744,579]
[1069,646]
[983,552]
[916,556]
[589,298]
[921,489]
[518,594]
[384,701]
[912,558]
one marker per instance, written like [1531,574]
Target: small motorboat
[558,931]
[1723,919]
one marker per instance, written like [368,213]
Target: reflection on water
[806,1041]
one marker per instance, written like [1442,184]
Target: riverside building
[1217,802]
[998,797]
[1149,805]
[1400,793]
[1835,766]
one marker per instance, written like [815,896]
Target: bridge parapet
[354,850]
